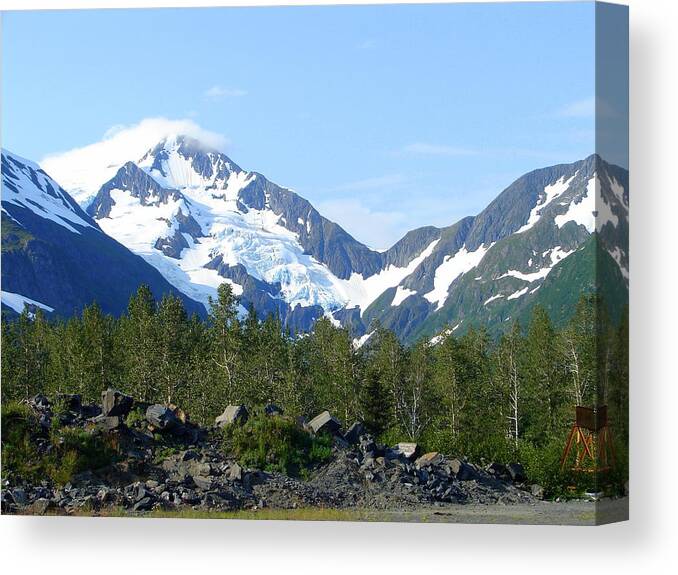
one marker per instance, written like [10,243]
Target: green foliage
[276,443]
[19,454]
[136,418]
[506,400]
[542,466]
[72,451]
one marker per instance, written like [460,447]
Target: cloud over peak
[82,171]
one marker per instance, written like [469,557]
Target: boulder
[273,409]
[161,417]
[537,491]
[340,442]
[40,402]
[352,436]
[404,449]
[104,424]
[516,472]
[39,506]
[202,482]
[19,497]
[232,414]
[325,423]
[144,504]
[429,459]
[235,472]
[498,470]
[461,470]
[115,403]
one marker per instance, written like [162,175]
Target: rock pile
[168,462]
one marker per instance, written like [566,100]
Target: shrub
[276,444]
[542,466]
[136,418]
[77,451]
[19,454]
[72,450]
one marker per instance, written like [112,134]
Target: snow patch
[359,291]
[556,255]
[360,341]
[494,297]
[592,211]
[401,295]
[451,268]
[17,302]
[551,192]
[519,293]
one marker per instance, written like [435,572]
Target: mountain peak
[26,187]
[180,161]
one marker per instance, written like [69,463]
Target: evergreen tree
[172,346]
[545,379]
[138,341]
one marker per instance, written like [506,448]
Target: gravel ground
[537,513]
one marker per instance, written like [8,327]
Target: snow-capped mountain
[199,219]
[55,256]
[551,235]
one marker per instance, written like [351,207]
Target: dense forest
[505,400]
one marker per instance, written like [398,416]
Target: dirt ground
[540,513]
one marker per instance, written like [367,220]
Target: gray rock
[144,504]
[537,491]
[232,414]
[498,470]
[39,506]
[161,417]
[104,424]
[273,409]
[406,450]
[462,470]
[104,495]
[19,496]
[429,459]
[189,496]
[235,472]
[204,483]
[340,442]
[352,436]
[115,403]
[325,423]
[188,455]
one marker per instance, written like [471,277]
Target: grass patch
[277,443]
[300,514]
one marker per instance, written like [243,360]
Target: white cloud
[82,171]
[219,92]
[377,229]
[424,149]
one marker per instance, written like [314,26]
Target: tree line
[467,395]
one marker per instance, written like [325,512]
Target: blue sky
[385,117]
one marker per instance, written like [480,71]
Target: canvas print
[363,263]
